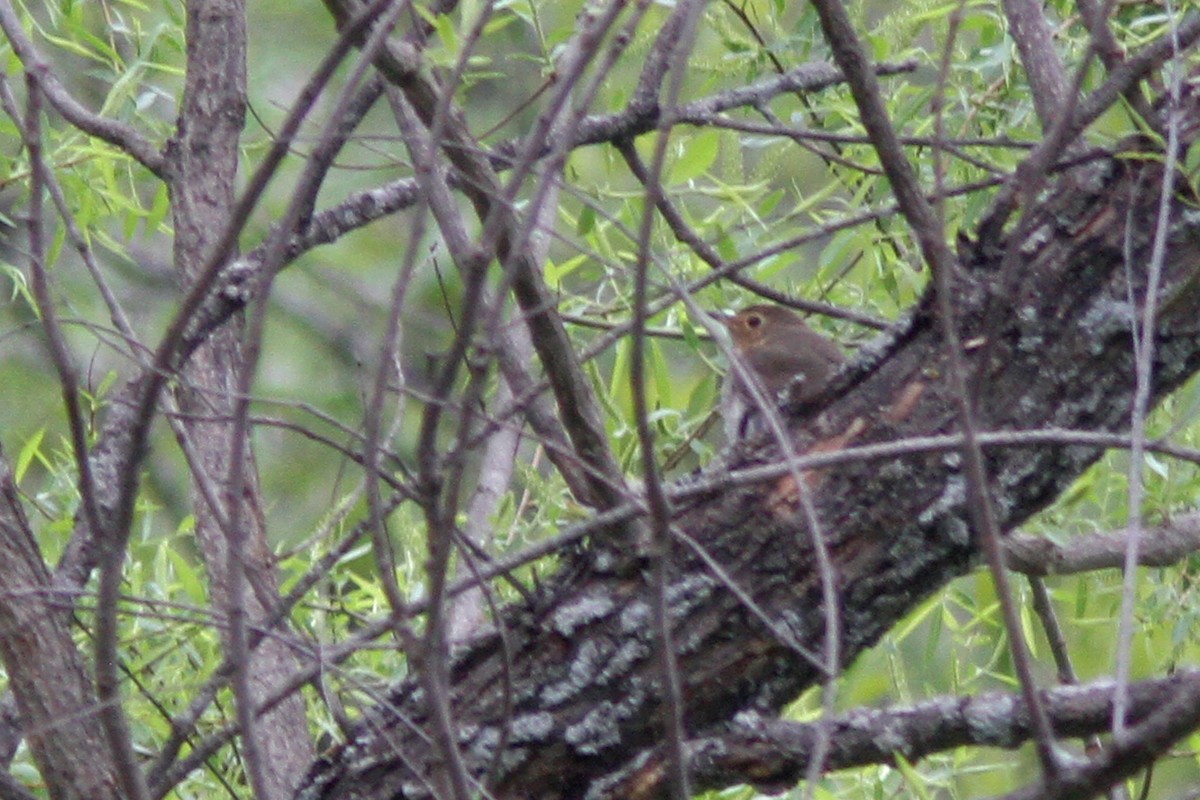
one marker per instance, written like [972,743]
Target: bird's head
[756,325]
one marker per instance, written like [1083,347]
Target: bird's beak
[723,317]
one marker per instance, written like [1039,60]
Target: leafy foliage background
[741,186]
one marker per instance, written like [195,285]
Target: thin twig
[1144,344]
[123,137]
[678,47]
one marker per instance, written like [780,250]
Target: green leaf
[768,203]
[726,247]
[20,285]
[1156,465]
[689,333]
[190,581]
[660,372]
[915,780]
[29,451]
[587,221]
[56,245]
[699,152]
[556,272]
[447,34]
[158,209]
[1027,630]
[1191,161]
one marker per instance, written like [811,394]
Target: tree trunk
[203,161]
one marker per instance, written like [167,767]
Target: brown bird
[781,351]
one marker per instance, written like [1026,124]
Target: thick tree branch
[1031,32]
[587,696]
[1161,546]
[773,754]
[46,670]
[928,229]
[1173,718]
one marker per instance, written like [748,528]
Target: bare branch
[122,136]
[776,752]
[1161,546]
[1031,32]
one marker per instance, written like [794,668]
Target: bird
[780,352]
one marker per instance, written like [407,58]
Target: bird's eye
[754,320]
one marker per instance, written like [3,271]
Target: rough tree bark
[49,678]
[1053,350]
